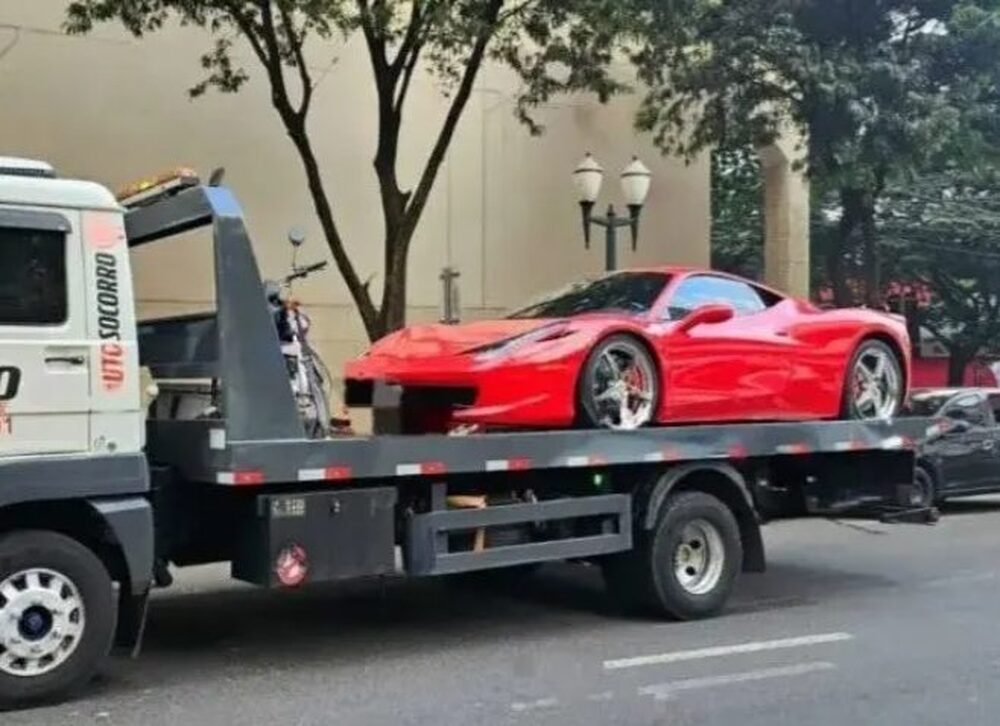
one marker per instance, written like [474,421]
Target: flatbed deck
[203,451]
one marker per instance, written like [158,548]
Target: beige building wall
[111,108]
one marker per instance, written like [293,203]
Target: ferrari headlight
[543,334]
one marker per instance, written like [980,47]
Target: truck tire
[685,567]
[57,616]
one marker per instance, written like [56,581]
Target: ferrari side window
[701,290]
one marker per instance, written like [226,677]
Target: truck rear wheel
[685,567]
[57,616]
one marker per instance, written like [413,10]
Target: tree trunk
[869,252]
[957,363]
[914,323]
[836,266]
[321,203]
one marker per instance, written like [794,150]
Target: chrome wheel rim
[875,384]
[623,387]
[41,622]
[699,557]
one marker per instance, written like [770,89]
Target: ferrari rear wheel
[874,386]
[619,386]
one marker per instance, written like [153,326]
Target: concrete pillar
[786,218]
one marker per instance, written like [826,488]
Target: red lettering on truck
[109,321]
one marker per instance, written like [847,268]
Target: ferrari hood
[434,341]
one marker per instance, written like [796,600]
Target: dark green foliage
[737,212]
[943,230]
[880,90]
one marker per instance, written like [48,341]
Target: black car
[963,457]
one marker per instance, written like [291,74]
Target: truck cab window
[32,277]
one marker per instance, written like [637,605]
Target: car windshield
[630,292]
[926,405]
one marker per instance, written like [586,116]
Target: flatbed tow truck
[100,495]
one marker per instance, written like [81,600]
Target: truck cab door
[45,358]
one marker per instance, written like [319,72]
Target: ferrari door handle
[781,333]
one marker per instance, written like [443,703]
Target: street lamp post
[635,181]
[449,295]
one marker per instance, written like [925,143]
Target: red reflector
[292,566]
[737,451]
[337,473]
[433,467]
[519,464]
[251,476]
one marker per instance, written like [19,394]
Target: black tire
[924,488]
[32,549]
[588,415]
[645,579]
[848,411]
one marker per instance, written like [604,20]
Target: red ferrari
[654,346]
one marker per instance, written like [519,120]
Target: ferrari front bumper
[497,394]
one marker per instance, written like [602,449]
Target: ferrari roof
[688,269]
[665,269]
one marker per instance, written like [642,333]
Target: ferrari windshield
[629,292]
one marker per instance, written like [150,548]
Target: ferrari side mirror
[706,315]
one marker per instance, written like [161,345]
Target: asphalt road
[855,623]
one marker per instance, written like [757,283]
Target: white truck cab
[69,371]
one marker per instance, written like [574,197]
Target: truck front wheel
[57,616]
[685,567]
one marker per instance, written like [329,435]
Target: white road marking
[961,579]
[724,650]
[521,706]
[603,696]
[666,691]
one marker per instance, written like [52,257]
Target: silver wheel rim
[875,384]
[41,622]
[623,387]
[699,557]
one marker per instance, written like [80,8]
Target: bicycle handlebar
[303,272]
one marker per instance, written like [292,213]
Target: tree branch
[264,42]
[296,41]
[410,37]
[447,132]
[375,42]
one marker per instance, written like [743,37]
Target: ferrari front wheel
[619,387]
[873,389]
